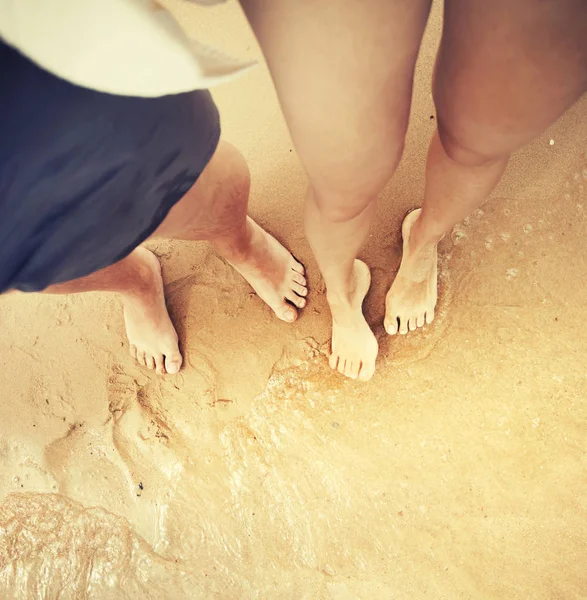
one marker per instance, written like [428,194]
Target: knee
[472,131]
[344,193]
[337,207]
[470,146]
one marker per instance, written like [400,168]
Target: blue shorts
[85,177]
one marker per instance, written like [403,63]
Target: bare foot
[273,273]
[354,347]
[151,335]
[412,297]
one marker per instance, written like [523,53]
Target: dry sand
[460,471]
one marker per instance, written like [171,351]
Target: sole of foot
[411,299]
[151,335]
[354,347]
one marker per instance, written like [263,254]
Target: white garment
[127,47]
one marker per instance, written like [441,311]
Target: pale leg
[497,86]
[343,71]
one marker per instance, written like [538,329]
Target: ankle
[339,301]
[342,312]
[139,293]
[237,248]
[425,235]
[143,282]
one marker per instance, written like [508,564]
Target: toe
[403,325]
[173,362]
[296,300]
[149,362]
[132,350]
[412,323]
[141,357]
[348,366]
[286,313]
[297,267]
[299,289]
[420,320]
[341,365]
[391,325]
[299,278]
[352,369]
[430,316]
[333,361]
[160,364]
[367,370]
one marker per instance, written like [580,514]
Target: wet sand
[459,471]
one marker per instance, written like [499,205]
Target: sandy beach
[458,472]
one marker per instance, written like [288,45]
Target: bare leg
[505,71]
[452,192]
[343,71]
[214,209]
